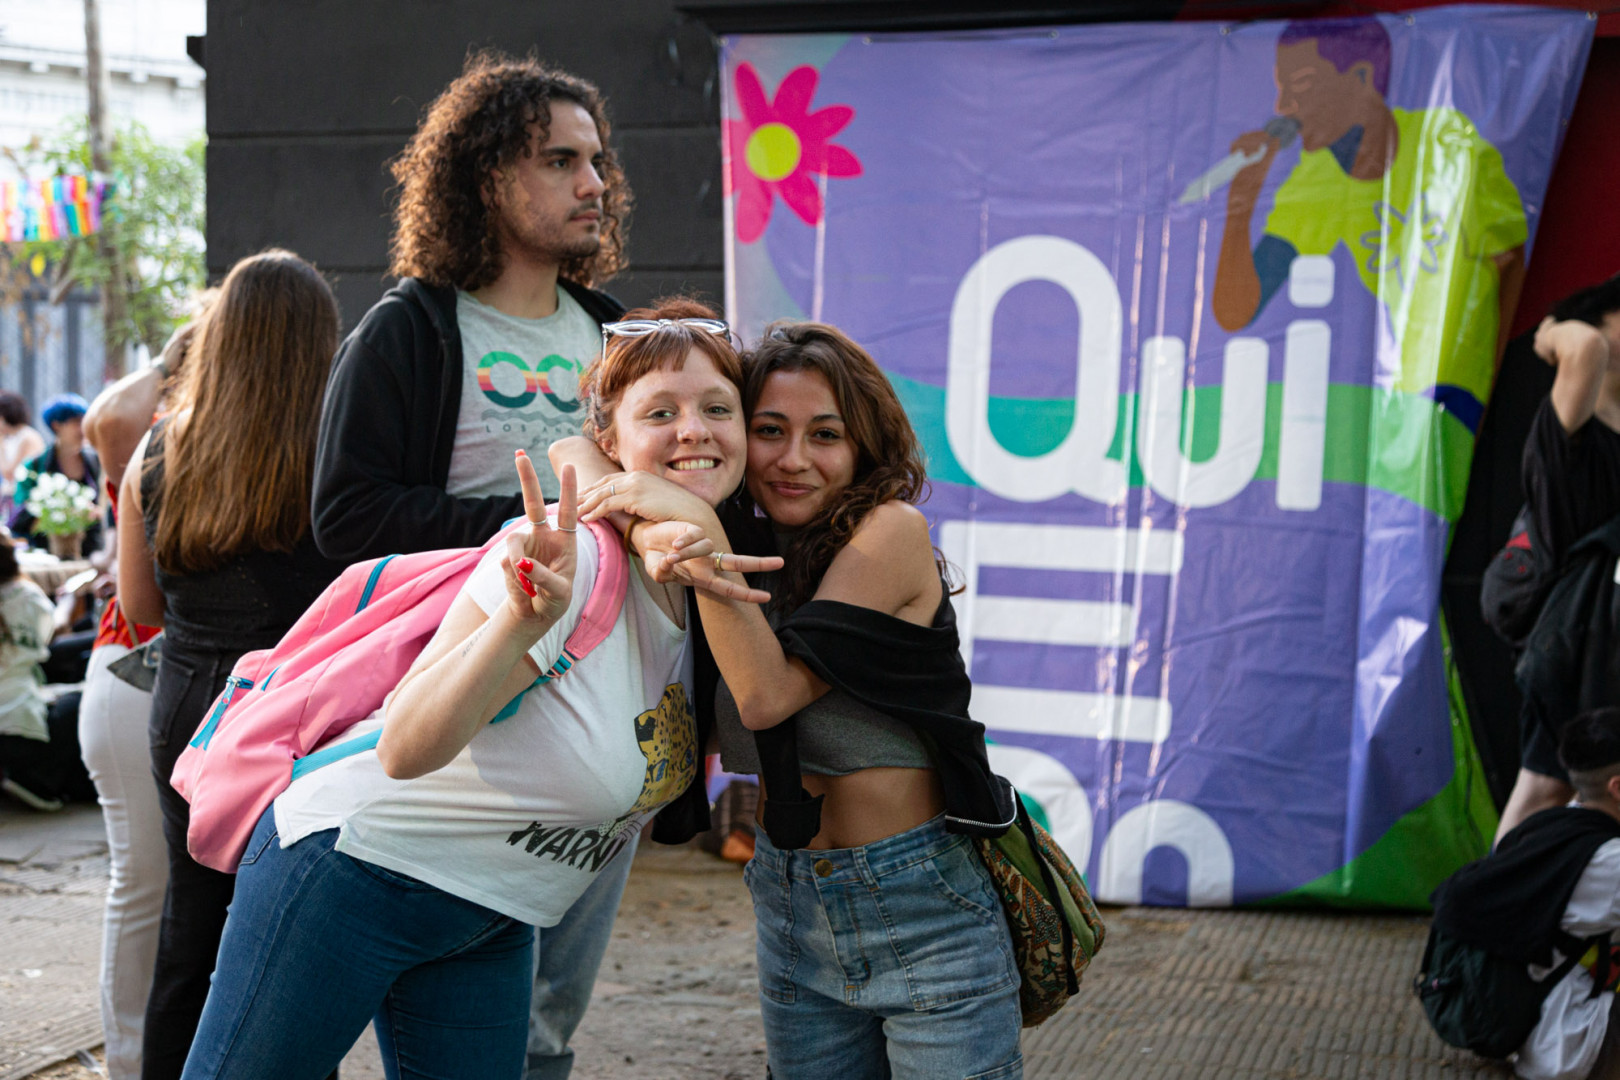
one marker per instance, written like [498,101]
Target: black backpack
[1515,586]
[1479,1001]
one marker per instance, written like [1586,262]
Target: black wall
[308,99]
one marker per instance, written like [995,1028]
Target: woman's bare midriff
[873,804]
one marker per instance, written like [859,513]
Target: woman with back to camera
[835,466]
[400,884]
[214,546]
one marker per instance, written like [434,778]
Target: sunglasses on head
[642,327]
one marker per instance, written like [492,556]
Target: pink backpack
[282,708]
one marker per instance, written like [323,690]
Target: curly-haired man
[511,208]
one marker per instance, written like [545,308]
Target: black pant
[70,657]
[51,769]
[188,681]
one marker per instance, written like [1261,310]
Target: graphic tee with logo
[542,799]
[519,391]
[1423,237]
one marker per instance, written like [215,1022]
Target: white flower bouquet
[61,507]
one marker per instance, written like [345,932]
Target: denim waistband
[857,864]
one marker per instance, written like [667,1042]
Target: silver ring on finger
[612,490]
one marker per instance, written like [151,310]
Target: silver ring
[612,490]
[559,528]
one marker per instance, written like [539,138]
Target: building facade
[48,348]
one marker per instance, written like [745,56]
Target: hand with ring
[641,495]
[539,558]
[675,551]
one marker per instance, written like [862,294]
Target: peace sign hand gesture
[539,560]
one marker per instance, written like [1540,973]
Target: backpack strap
[602,607]
[1573,949]
[1052,891]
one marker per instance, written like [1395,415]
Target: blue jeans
[566,958]
[318,943]
[889,960]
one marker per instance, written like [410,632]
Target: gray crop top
[837,734]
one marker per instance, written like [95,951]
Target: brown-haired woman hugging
[214,546]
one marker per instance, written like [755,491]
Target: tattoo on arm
[472,639]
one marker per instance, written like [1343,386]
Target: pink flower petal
[753,210]
[735,146]
[794,94]
[751,97]
[823,124]
[841,162]
[802,195]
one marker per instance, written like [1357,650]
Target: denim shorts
[891,959]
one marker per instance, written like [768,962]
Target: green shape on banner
[1028,427]
[1422,452]
[1424,847]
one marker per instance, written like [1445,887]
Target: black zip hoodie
[388,426]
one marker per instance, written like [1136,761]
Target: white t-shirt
[523,819]
[29,620]
[519,391]
[1565,1044]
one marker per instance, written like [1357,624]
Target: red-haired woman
[401,884]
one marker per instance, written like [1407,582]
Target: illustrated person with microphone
[1418,198]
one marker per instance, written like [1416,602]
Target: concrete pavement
[1174,994]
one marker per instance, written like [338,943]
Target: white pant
[113,719]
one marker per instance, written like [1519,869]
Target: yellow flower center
[773,151]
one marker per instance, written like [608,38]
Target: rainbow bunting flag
[51,209]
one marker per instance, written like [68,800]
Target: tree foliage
[154,218]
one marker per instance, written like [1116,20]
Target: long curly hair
[889,461]
[444,231]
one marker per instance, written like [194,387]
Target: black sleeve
[1569,484]
[368,498]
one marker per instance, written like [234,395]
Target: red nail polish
[525,565]
[524,582]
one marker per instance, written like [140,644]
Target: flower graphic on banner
[779,148]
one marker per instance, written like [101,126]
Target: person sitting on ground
[69,455]
[1577,1036]
[39,742]
[1572,486]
